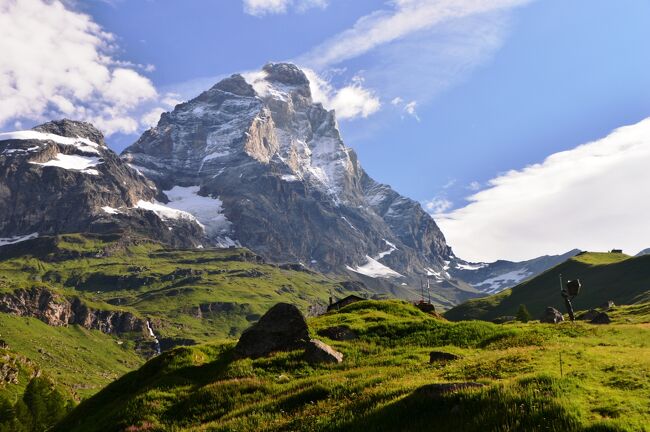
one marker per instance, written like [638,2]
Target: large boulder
[319,352]
[589,315]
[551,316]
[441,356]
[282,328]
[601,318]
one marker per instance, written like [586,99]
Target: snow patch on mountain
[470,266]
[374,269]
[207,210]
[392,249]
[73,163]
[17,239]
[164,212]
[496,284]
[83,144]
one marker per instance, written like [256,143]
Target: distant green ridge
[604,276]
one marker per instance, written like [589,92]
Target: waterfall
[153,335]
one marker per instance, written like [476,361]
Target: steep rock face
[55,310]
[288,186]
[60,177]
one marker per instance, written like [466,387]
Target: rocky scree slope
[60,177]
[271,161]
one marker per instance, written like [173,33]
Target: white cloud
[58,62]
[349,102]
[268,7]
[406,17]
[409,108]
[437,205]
[414,49]
[592,197]
[474,186]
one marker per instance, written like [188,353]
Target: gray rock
[319,352]
[601,318]
[589,315]
[282,328]
[56,310]
[441,356]
[551,316]
[52,200]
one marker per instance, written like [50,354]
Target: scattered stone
[282,328]
[589,315]
[339,333]
[504,319]
[601,318]
[425,307]
[441,356]
[438,390]
[319,352]
[551,316]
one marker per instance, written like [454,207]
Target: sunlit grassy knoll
[381,385]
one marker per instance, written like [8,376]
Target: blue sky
[467,90]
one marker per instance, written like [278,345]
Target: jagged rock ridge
[287,186]
[60,177]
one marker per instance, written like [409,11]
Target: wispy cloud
[414,49]
[269,7]
[58,62]
[404,18]
[591,197]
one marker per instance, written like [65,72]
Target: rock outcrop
[60,177]
[56,310]
[601,318]
[551,316]
[282,328]
[441,357]
[319,352]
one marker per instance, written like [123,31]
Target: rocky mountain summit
[260,164]
[61,177]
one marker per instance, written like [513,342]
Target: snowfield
[73,163]
[375,269]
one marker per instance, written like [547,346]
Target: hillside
[604,276]
[81,308]
[386,382]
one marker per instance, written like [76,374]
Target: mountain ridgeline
[251,162]
[290,188]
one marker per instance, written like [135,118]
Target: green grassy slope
[167,285]
[163,285]
[81,361]
[604,276]
[382,383]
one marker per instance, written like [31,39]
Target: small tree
[522,314]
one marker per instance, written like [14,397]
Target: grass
[166,286]
[605,276]
[81,361]
[384,382]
